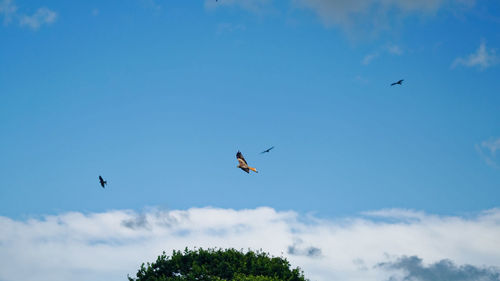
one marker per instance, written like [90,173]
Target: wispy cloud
[256,6]
[152,4]
[387,49]
[371,13]
[370,57]
[107,246]
[395,50]
[368,16]
[42,16]
[7,10]
[488,151]
[399,214]
[482,58]
[226,27]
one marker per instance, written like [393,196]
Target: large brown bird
[242,163]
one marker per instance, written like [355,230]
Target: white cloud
[40,17]
[107,246]
[488,151]
[482,58]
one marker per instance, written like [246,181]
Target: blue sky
[157,97]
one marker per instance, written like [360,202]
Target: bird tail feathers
[253,169]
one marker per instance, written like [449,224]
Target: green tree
[218,265]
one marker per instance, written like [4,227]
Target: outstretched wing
[240,158]
[400,82]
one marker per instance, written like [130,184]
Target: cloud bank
[381,245]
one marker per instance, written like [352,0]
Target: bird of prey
[267,150]
[102,181]
[242,163]
[400,82]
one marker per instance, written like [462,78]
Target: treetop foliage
[218,265]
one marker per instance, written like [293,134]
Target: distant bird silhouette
[102,181]
[242,163]
[400,82]
[267,150]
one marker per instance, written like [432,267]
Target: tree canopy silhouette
[218,265]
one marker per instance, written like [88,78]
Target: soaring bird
[242,164]
[400,82]
[267,150]
[102,181]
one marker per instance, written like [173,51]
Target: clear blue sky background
[157,96]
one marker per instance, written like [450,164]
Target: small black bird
[267,150]
[400,82]
[102,181]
